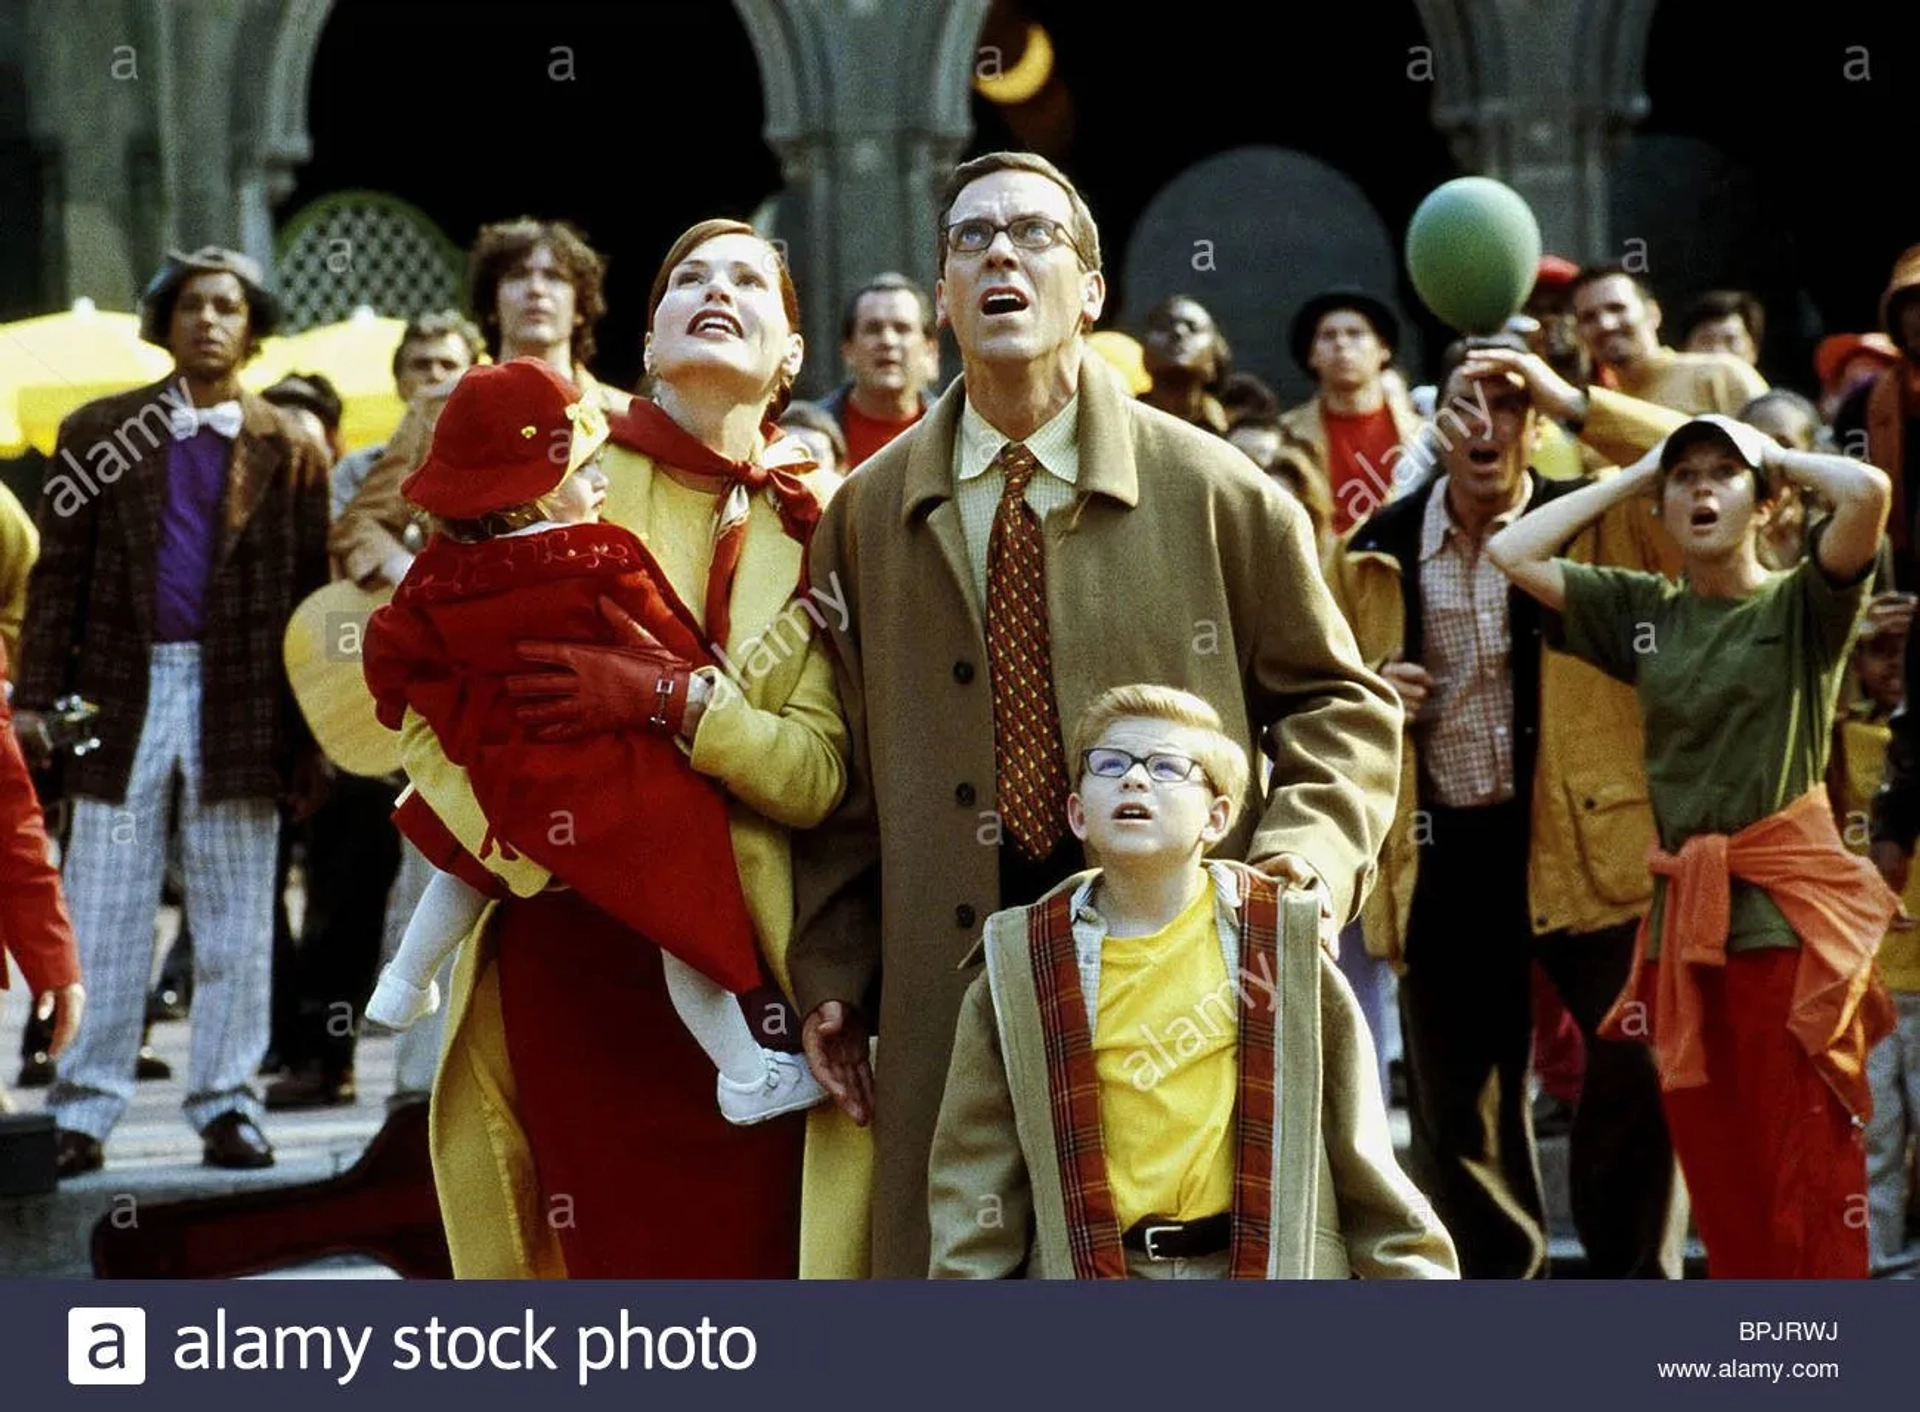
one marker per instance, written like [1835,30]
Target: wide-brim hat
[1748,443]
[1903,282]
[156,300]
[510,433]
[1386,323]
[1830,359]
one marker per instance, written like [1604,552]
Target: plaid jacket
[90,600]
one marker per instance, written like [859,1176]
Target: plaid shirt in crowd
[1467,726]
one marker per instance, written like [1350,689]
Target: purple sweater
[189,535]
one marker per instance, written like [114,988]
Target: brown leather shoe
[232,1140]
[75,1154]
[311,1088]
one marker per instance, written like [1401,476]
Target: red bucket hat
[510,433]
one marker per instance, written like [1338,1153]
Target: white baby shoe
[789,1086]
[398,1003]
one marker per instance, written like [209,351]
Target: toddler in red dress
[620,817]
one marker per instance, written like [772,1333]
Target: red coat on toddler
[622,818]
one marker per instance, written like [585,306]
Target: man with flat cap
[1350,428]
[180,523]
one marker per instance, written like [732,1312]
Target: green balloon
[1473,249]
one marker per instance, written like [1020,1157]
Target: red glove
[594,689]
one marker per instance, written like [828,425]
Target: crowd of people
[1039,825]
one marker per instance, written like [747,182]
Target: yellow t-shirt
[1865,743]
[1165,1042]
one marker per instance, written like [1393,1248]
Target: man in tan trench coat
[1038,538]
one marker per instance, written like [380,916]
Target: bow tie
[222,417]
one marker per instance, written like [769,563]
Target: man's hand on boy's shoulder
[1295,871]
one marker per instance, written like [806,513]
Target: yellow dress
[773,735]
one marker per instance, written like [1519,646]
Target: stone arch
[269,113]
[866,108]
[795,70]
[270,102]
[1541,96]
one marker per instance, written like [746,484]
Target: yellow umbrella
[52,364]
[356,355]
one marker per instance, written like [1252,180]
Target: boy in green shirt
[1753,977]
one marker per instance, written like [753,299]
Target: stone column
[867,110]
[89,75]
[1539,96]
[165,125]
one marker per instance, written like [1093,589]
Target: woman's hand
[634,685]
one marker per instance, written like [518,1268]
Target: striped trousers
[112,873]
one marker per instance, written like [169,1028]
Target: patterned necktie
[1028,758]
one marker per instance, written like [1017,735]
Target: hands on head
[1551,393]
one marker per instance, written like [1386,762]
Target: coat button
[1587,804]
[963,795]
[963,672]
[963,915]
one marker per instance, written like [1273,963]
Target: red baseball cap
[510,433]
[1555,272]
[1835,352]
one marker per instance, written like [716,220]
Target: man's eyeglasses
[972,237]
[1163,766]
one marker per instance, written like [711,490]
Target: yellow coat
[1592,820]
[779,746]
[19,547]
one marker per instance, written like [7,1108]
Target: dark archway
[467,112]
[1143,96]
[1775,156]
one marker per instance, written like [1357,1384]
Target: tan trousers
[1204,1267]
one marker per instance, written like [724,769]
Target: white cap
[1749,443]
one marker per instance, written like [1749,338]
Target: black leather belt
[1160,1239]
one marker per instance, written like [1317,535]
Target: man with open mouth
[1524,823]
[1039,537]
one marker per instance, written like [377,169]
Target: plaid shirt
[1467,726]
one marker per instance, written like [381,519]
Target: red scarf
[645,428]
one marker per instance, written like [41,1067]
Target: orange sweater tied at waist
[1835,901]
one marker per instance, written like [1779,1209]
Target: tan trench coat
[1176,562]
[1340,1207]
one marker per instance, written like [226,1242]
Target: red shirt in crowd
[866,435]
[1358,449]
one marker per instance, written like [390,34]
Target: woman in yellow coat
[574,1124]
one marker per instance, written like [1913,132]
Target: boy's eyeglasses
[1163,766]
[1028,232]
